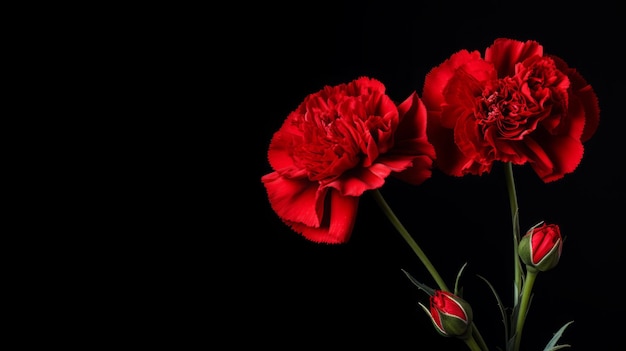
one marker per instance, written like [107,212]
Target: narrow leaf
[456,283]
[558,347]
[552,344]
[430,291]
[501,306]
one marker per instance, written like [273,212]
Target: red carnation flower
[339,143]
[514,105]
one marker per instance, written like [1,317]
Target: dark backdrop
[283,292]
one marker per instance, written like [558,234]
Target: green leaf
[515,312]
[552,346]
[558,347]
[516,291]
[501,306]
[430,291]
[456,282]
[517,232]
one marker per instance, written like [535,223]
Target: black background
[280,291]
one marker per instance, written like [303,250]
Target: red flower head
[540,248]
[451,315]
[514,105]
[338,143]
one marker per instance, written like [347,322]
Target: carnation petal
[504,53]
[586,99]
[581,93]
[401,158]
[576,120]
[462,89]
[342,212]
[396,162]
[555,156]
[413,118]
[279,154]
[294,200]
[356,182]
[437,79]
[419,172]
[450,159]
[412,155]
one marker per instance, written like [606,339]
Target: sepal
[540,248]
[451,315]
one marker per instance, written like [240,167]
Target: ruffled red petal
[504,53]
[294,200]
[337,228]
[437,79]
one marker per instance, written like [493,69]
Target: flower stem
[523,310]
[481,341]
[471,343]
[510,186]
[407,237]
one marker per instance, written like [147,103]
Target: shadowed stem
[409,239]
[479,337]
[510,186]
[471,341]
[523,310]
[472,345]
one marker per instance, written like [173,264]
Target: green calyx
[454,326]
[547,262]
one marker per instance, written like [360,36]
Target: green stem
[523,310]
[476,334]
[510,186]
[471,343]
[407,237]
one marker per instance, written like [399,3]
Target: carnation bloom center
[332,139]
[505,108]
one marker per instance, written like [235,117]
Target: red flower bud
[451,315]
[541,247]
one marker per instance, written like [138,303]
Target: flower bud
[451,315]
[541,247]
